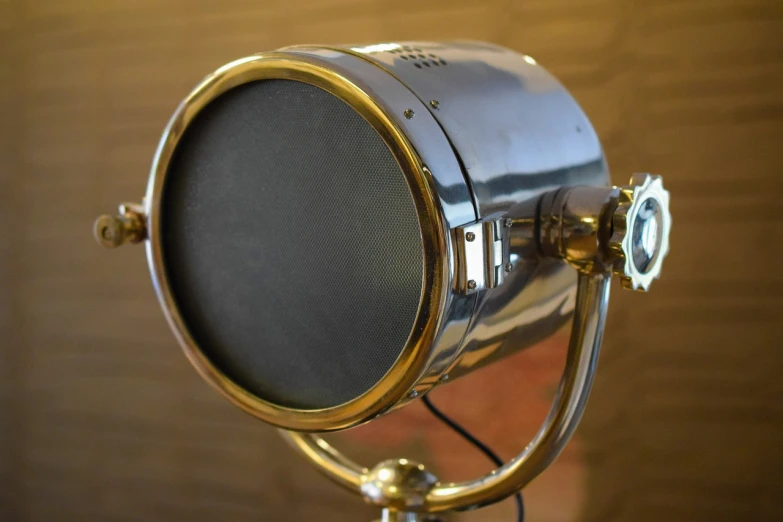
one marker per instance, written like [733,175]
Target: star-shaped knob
[640,231]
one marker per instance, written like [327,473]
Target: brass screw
[409,113]
[435,104]
[470,236]
[471,285]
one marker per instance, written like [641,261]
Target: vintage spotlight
[332,231]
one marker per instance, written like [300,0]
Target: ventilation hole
[417,65]
[422,56]
[426,64]
[404,57]
[443,62]
[432,55]
[436,64]
[412,56]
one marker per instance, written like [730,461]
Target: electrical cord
[465,434]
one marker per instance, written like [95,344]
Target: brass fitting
[624,230]
[127,227]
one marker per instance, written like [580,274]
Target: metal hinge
[482,250]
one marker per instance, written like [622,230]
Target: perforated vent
[418,58]
[291,244]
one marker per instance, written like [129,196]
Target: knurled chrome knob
[640,231]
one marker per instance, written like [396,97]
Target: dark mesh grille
[291,244]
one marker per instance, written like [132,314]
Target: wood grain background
[101,419]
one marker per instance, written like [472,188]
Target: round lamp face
[291,244]
[294,243]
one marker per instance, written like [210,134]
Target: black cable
[465,434]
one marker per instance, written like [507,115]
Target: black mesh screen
[291,244]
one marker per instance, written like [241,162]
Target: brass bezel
[411,363]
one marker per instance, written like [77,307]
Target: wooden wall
[102,419]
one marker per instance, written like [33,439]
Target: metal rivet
[409,113]
[444,377]
[509,267]
[507,222]
[434,104]
[470,236]
[413,394]
[471,285]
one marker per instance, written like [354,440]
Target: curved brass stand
[589,317]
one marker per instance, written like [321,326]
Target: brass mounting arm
[597,230]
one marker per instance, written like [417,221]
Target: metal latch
[482,251]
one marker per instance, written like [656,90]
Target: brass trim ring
[411,362]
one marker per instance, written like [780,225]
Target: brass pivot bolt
[128,227]
[400,486]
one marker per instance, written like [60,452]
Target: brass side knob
[640,231]
[128,227]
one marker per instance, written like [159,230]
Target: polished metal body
[516,133]
[520,231]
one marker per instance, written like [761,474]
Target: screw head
[507,222]
[471,285]
[409,113]
[470,236]
[435,104]
[509,267]
[413,394]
